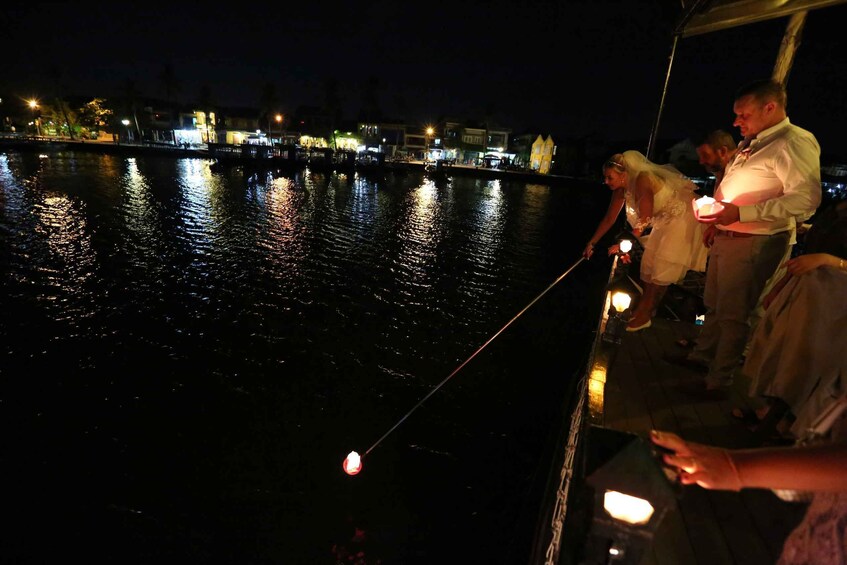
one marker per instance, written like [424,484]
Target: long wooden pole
[788,47]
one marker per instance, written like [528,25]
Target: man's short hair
[716,139]
[764,90]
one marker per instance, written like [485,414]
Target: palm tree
[60,104]
[268,104]
[131,103]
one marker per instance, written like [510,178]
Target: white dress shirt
[774,179]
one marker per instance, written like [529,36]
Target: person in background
[796,361]
[658,198]
[715,150]
[773,180]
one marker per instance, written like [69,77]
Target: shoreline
[112,148]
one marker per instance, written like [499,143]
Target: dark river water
[186,358]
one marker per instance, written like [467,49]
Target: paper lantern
[353,463]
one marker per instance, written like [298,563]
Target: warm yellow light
[33,103]
[629,509]
[279,118]
[430,131]
[625,245]
[621,301]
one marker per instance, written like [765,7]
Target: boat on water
[437,170]
[627,389]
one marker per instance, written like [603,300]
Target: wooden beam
[788,47]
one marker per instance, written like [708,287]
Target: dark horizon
[586,69]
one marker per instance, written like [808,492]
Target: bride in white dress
[657,198]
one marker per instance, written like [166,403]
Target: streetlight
[279,121]
[429,132]
[33,105]
[125,122]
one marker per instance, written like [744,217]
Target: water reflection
[248,328]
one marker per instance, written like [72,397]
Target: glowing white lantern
[353,463]
[630,509]
[621,301]
[707,205]
[625,245]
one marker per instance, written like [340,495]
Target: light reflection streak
[194,179]
[64,228]
[488,238]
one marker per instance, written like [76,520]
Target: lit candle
[353,463]
[707,206]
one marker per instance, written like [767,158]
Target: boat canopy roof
[704,16]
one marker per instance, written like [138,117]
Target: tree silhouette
[370,111]
[171,86]
[332,107]
[61,105]
[268,103]
[131,95]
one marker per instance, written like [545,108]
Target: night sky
[571,69]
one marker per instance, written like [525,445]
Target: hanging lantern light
[625,245]
[621,301]
[353,463]
[632,493]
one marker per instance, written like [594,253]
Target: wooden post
[788,47]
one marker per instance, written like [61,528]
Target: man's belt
[728,233]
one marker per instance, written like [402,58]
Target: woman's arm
[812,468]
[802,264]
[615,206]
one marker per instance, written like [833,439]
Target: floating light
[706,205]
[353,463]
[625,246]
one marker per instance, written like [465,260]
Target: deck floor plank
[644,391]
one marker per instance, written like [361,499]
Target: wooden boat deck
[642,392]
[708,527]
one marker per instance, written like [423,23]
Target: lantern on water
[353,463]
[707,205]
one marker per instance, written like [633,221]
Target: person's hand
[802,264]
[709,235]
[709,467]
[615,249]
[729,215]
[588,251]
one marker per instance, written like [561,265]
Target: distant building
[541,156]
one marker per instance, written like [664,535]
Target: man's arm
[798,166]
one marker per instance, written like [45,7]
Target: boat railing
[587,409]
